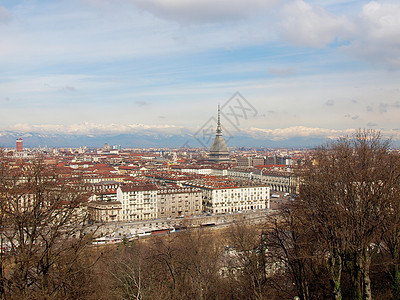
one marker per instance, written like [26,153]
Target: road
[121,229]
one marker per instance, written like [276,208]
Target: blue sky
[309,67]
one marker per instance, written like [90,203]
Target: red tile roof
[138,188]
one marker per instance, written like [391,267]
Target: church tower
[219,151]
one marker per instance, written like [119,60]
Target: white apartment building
[233,199]
[219,172]
[240,174]
[198,170]
[139,202]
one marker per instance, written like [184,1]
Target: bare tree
[293,254]
[43,229]
[344,195]
[177,266]
[246,258]
[127,267]
[391,227]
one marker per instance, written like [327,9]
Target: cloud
[5,15]
[115,32]
[330,102]
[141,103]
[281,71]
[128,55]
[68,88]
[296,131]
[303,131]
[255,132]
[369,108]
[353,117]
[312,26]
[373,35]
[383,108]
[396,104]
[92,128]
[377,39]
[196,11]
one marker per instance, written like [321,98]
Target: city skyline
[312,69]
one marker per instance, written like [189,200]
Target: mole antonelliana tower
[219,150]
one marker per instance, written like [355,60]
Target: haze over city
[311,69]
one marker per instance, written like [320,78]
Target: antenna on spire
[219,115]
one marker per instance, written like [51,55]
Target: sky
[311,68]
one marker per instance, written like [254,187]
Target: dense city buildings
[129,185]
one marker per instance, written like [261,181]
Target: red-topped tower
[18,145]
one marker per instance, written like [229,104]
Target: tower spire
[219,130]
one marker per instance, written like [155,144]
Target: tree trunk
[2,289]
[353,268]
[396,281]
[335,266]
[395,272]
[366,263]
[359,273]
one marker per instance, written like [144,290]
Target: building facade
[19,145]
[243,162]
[105,211]
[179,202]
[227,200]
[279,181]
[139,202]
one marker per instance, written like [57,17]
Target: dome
[219,145]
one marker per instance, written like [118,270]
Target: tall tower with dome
[219,150]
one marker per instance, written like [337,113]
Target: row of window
[241,208]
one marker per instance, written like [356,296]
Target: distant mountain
[146,139]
